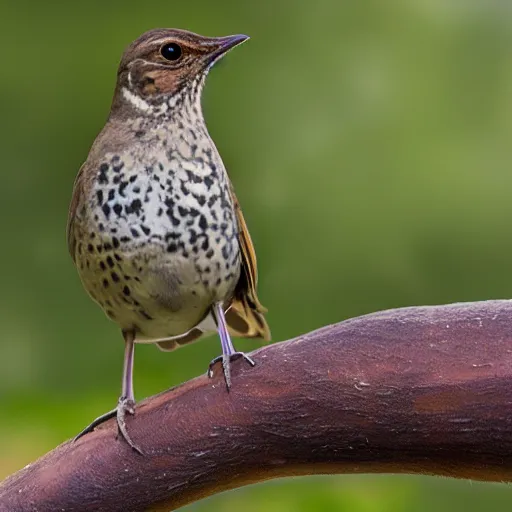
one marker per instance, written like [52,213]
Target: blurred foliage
[370,146]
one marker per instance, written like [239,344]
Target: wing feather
[246,317]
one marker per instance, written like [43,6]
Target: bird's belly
[155,292]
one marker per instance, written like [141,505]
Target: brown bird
[154,227]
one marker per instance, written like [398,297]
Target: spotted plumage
[154,227]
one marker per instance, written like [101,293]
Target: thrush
[154,227]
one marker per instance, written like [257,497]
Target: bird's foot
[226,359]
[124,406]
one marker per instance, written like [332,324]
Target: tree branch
[416,390]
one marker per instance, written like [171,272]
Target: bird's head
[164,65]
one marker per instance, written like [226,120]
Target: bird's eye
[171,51]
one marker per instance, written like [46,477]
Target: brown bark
[416,390]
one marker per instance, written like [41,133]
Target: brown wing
[245,317]
[74,205]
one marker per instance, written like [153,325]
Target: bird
[154,227]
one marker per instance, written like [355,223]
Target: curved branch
[415,390]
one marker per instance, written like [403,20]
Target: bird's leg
[228,351]
[126,403]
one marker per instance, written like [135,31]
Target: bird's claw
[124,406]
[226,365]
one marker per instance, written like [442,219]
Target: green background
[370,145]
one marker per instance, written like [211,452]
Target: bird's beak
[222,45]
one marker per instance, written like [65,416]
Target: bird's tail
[245,319]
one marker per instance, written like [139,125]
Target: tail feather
[246,320]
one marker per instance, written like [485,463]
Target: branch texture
[416,390]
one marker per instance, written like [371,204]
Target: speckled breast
[162,238]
